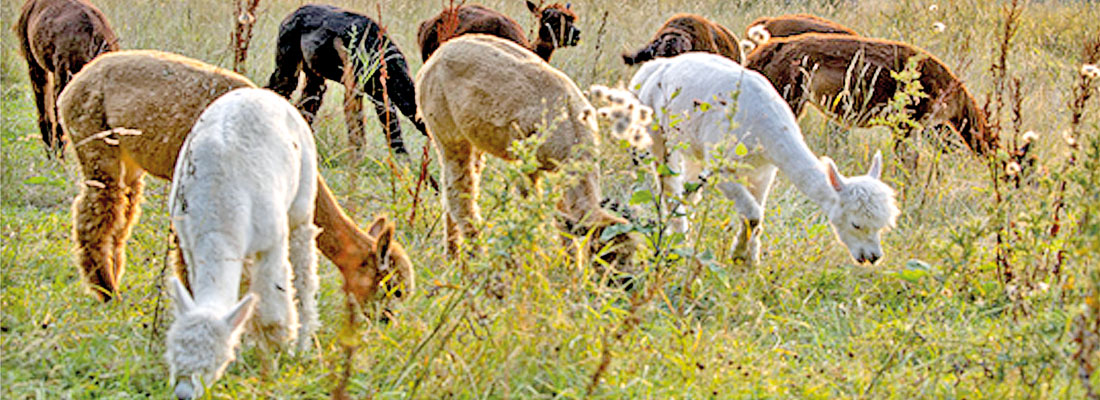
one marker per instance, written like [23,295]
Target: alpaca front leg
[275,320]
[303,258]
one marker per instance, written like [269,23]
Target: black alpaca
[319,40]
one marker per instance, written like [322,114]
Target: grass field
[952,312]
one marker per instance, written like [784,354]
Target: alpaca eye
[856,227]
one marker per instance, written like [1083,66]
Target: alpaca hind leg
[353,118]
[39,84]
[313,93]
[751,213]
[303,258]
[131,188]
[386,110]
[760,185]
[460,189]
[98,214]
[275,320]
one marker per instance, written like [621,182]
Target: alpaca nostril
[873,258]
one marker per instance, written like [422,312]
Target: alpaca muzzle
[184,391]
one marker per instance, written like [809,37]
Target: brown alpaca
[688,32]
[57,37]
[128,112]
[556,27]
[764,28]
[819,67]
[478,94]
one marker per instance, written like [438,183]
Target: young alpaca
[57,38]
[478,94]
[556,28]
[764,28]
[321,42]
[859,208]
[242,194]
[128,112]
[858,68]
[688,32]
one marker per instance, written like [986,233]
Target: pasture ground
[940,317]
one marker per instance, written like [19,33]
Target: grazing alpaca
[764,28]
[556,28]
[57,38]
[129,112]
[688,32]
[242,196]
[478,94]
[817,68]
[859,208]
[315,39]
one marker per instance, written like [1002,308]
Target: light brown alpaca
[479,93]
[819,67]
[764,28]
[128,113]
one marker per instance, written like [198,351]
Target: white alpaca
[859,208]
[243,194]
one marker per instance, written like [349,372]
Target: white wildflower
[1012,168]
[1090,71]
[933,7]
[939,27]
[1070,140]
[1030,136]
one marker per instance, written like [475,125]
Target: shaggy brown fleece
[129,112]
[688,32]
[57,38]
[817,67]
[556,27]
[797,24]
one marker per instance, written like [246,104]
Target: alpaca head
[201,341]
[384,261]
[672,43]
[556,24]
[864,207]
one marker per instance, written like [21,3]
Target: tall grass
[937,318]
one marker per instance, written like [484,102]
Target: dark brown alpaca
[57,38]
[819,67]
[688,32]
[764,28]
[556,27]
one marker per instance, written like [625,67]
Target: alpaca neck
[543,48]
[340,240]
[805,171]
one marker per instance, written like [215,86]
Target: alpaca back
[157,93]
[246,172]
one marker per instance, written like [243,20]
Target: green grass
[936,319]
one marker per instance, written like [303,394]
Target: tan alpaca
[128,113]
[817,67]
[479,93]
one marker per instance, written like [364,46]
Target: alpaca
[688,32]
[315,40]
[556,28]
[478,94]
[745,107]
[128,113]
[817,68]
[243,193]
[764,28]
[57,37]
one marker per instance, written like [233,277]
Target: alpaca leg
[62,76]
[751,213]
[460,190]
[98,213]
[131,188]
[353,118]
[303,258]
[313,93]
[760,185]
[275,321]
[687,171]
[39,84]
[386,110]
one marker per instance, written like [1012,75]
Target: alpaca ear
[240,312]
[835,179]
[531,6]
[876,166]
[377,226]
[383,241]
[180,296]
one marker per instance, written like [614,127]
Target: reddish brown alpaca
[829,58]
[57,37]
[128,113]
[791,25]
[556,28]
[688,32]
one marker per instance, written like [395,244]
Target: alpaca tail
[288,57]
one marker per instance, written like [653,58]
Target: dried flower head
[1030,136]
[1090,71]
[246,18]
[1069,138]
[747,46]
[759,34]
[1012,169]
[939,27]
[933,7]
